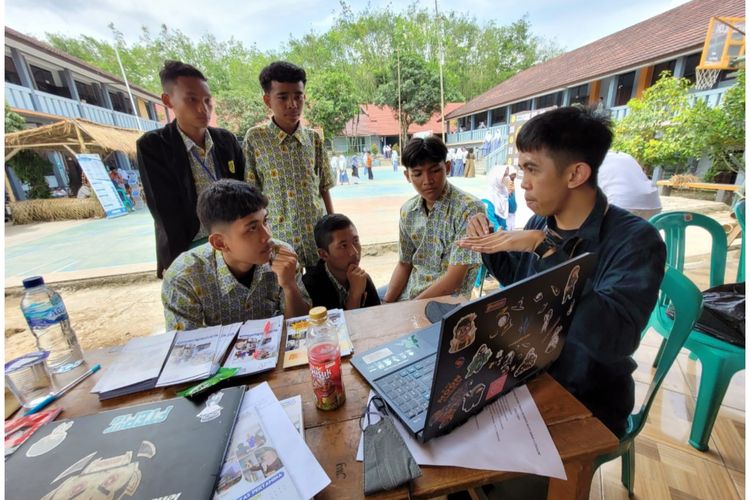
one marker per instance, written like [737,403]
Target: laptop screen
[495,343]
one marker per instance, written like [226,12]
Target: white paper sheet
[508,435]
[263,425]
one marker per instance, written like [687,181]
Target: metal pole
[400,128]
[125,78]
[441,61]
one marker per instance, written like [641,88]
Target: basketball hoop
[705,78]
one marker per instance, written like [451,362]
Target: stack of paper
[136,368]
[267,458]
[197,354]
[257,346]
[295,353]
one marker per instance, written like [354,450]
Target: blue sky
[268,24]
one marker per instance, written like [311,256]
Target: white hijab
[498,190]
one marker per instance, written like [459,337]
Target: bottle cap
[33,281]
[318,313]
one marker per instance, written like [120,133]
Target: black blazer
[323,293]
[170,189]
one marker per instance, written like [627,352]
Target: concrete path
[73,250]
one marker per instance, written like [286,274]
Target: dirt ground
[108,312]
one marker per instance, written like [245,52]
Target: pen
[61,392]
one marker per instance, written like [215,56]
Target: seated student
[430,264]
[560,152]
[241,273]
[337,281]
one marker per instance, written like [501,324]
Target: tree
[726,131]
[13,121]
[331,101]
[239,111]
[663,128]
[28,165]
[420,92]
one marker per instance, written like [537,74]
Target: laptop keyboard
[409,388]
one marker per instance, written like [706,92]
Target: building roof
[382,121]
[672,33]
[11,34]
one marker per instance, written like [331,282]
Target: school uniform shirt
[427,239]
[325,290]
[199,290]
[596,363]
[291,170]
[201,176]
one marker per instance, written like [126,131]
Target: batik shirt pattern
[341,290]
[201,178]
[199,290]
[427,240]
[291,170]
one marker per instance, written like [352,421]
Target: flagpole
[441,61]
[125,78]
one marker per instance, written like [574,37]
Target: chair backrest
[687,302]
[674,224]
[739,212]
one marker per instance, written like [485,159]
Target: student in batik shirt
[430,264]
[285,160]
[241,273]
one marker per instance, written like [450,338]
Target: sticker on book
[481,357]
[212,409]
[50,441]
[570,287]
[464,333]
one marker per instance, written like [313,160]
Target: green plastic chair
[739,212]
[686,300]
[719,360]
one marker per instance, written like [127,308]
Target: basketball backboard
[725,41]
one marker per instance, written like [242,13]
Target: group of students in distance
[248,232]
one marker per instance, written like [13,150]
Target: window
[579,94]
[498,116]
[11,75]
[658,68]
[480,119]
[691,62]
[88,93]
[548,100]
[520,106]
[624,88]
[46,82]
[120,103]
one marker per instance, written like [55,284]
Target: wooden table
[334,436]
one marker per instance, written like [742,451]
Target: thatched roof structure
[74,136]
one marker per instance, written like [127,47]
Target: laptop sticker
[460,362]
[554,340]
[518,306]
[571,286]
[552,328]
[445,415]
[555,290]
[494,306]
[524,326]
[496,386]
[473,397]
[544,308]
[481,357]
[464,333]
[528,362]
[503,324]
[547,318]
[449,389]
[570,309]
[539,297]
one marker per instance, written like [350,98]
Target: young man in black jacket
[337,281]
[180,160]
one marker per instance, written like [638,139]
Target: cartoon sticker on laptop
[570,309]
[547,318]
[528,362]
[571,285]
[554,340]
[481,357]
[445,415]
[464,333]
[503,324]
[473,397]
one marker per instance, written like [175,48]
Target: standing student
[512,202]
[368,162]
[179,161]
[286,161]
[430,264]
[470,158]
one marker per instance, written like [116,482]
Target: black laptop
[435,378]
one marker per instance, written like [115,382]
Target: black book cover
[165,450]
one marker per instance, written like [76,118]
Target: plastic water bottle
[48,320]
[324,359]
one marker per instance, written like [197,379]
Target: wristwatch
[545,246]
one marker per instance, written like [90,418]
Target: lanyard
[198,159]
